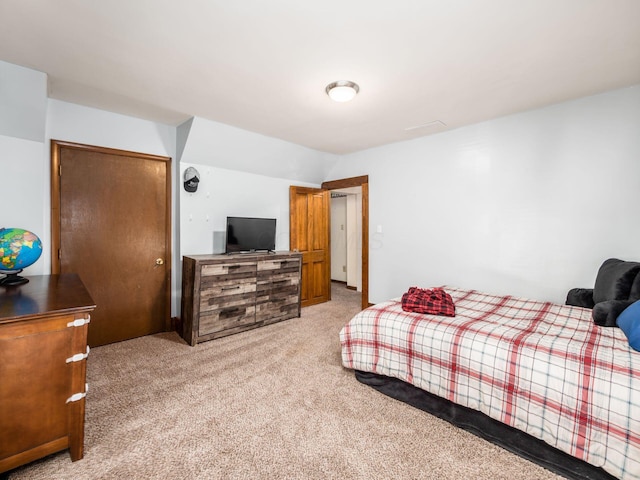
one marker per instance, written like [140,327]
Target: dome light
[342,90]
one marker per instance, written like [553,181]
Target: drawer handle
[235,287]
[230,312]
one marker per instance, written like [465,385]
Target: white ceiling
[263,65]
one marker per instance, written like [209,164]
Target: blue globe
[18,249]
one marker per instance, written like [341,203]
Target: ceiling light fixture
[342,90]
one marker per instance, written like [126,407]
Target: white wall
[339,238]
[231,148]
[222,193]
[241,174]
[22,180]
[528,204]
[76,123]
[23,102]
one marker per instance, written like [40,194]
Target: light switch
[379,229]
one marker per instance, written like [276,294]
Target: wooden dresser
[43,351]
[227,294]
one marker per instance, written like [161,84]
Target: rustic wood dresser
[227,294]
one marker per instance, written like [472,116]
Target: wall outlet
[344,268]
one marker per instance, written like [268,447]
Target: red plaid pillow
[435,302]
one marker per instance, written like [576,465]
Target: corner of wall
[23,102]
[182,135]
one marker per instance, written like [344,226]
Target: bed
[541,379]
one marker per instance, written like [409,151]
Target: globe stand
[12,279]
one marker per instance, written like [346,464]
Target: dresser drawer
[234,296]
[278,299]
[229,273]
[228,293]
[225,269]
[278,308]
[226,318]
[277,282]
[278,290]
[278,265]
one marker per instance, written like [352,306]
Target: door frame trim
[361,181]
[56,148]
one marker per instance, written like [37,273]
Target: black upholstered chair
[617,286]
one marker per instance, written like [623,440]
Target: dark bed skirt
[509,438]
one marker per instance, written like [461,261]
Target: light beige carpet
[271,403]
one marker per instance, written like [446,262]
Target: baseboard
[345,284]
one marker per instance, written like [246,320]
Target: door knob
[159,261]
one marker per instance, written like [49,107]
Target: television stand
[230,293]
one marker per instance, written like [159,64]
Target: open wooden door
[309,210]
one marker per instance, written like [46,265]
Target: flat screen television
[250,234]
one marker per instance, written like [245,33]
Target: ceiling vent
[434,124]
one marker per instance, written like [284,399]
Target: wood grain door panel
[114,232]
[309,234]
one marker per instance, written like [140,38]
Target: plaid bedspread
[543,368]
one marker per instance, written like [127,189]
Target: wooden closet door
[114,231]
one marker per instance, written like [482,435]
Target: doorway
[346,237]
[358,184]
[111,224]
